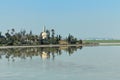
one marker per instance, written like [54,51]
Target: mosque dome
[44,35]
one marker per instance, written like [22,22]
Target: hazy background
[81,18]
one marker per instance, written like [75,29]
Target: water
[88,63]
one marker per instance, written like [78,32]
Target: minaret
[44,29]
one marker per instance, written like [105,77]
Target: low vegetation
[101,41]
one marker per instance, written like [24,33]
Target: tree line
[11,37]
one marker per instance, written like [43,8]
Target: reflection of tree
[45,53]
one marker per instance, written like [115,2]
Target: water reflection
[44,53]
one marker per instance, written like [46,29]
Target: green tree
[9,39]
[48,33]
[53,33]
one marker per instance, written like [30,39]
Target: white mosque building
[44,34]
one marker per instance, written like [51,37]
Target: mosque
[44,34]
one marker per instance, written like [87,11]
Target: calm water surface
[88,63]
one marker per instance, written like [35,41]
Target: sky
[81,18]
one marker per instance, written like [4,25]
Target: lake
[76,63]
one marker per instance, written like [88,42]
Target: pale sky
[81,18]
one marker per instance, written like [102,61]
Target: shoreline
[6,47]
[69,45]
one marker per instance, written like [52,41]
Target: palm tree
[0,33]
[12,31]
[60,37]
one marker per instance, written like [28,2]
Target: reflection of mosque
[44,53]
